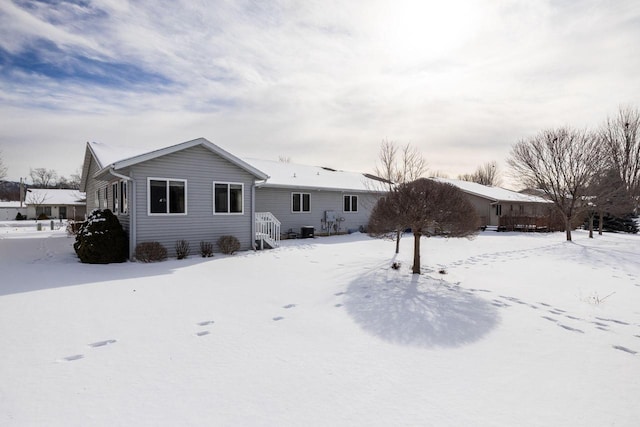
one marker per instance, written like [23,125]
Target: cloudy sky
[320,82]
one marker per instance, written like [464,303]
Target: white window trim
[351,196]
[228,184]
[115,200]
[167,180]
[301,211]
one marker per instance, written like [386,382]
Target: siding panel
[200,168]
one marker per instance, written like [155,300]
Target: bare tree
[487,174]
[621,137]
[37,199]
[429,208]
[398,166]
[561,163]
[3,168]
[42,177]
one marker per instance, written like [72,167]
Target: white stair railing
[268,229]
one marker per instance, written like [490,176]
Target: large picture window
[351,203]
[300,202]
[227,198]
[167,196]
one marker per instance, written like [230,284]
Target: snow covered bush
[150,252]
[206,249]
[183,249]
[228,244]
[101,239]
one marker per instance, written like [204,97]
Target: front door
[63,212]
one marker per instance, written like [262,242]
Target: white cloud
[322,82]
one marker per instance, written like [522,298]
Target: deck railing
[267,229]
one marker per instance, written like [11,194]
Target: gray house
[193,191]
[196,191]
[301,197]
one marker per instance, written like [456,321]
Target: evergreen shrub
[101,239]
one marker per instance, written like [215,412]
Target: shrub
[182,249]
[42,217]
[101,239]
[206,249]
[150,252]
[228,244]
[20,217]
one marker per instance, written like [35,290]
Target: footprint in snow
[549,318]
[569,328]
[202,333]
[625,349]
[275,319]
[338,305]
[74,357]
[205,323]
[289,306]
[102,343]
[339,293]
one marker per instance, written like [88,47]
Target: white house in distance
[55,203]
[9,210]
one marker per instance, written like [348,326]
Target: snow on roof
[493,193]
[107,154]
[291,175]
[48,196]
[10,204]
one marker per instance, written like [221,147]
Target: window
[351,203]
[498,210]
[167,196]
[114,198]
[227,198]
[300,202]
[124,206]
[43,210]
[96,201]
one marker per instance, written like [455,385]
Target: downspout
[132,209]
[253,215]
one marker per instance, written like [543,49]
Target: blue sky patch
[46,59]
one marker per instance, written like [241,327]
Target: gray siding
[92,186]
[278,202]
[200,168]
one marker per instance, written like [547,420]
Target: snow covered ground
[524,329]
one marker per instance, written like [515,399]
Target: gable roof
[54,196]
[112,157]
[495,194]
[291,175]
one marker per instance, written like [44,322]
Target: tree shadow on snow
[417,310]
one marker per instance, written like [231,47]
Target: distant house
[196,191]
[55,204]
[506,209]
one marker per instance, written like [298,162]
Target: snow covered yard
[524,329]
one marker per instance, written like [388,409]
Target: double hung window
[300,202]
[167,196]
[227,198]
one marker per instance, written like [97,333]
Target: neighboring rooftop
[291,175]
[493,193]
[49,196]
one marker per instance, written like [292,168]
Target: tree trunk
[591,215]
[600,223]
[416,252]
[398,235]
[567,227]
